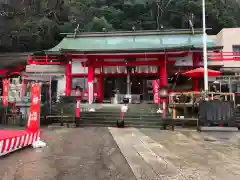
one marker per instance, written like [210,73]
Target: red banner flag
[78,97]
[34,114]
[5,93]
[156,96]
[90,92]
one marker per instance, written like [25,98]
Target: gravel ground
[71,154]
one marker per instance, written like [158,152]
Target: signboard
[5,92]
[34,114]
[156,91]
[228,79]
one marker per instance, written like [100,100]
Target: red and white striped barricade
[12,140]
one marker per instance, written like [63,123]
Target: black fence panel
[216,113]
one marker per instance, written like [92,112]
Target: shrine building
[126,62]
[123,62]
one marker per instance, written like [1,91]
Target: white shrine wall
[61,83]
[77,68]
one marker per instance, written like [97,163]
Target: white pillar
[204,47]
[128,87]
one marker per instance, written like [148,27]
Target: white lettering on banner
[78,104]
[33,116]
[155,91]
[90,92]
[35,100]
[156,88]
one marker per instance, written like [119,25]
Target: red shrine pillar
[163,82]
[100,88]
[163,72]
[195,81]
[100,85]
[68,75]
[90,83]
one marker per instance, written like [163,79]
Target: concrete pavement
[72,154]
[154,154]
[126,154]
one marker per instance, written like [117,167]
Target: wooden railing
[224,56]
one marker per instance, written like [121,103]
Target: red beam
[3,71]
[11,71]
[45,63]
[174,70]
[224,56]
[128,55]
[131,63]
[224,59]
[45,60]
[16,73]
[115,74]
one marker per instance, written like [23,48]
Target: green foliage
[29,31]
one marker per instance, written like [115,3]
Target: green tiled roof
[90,43]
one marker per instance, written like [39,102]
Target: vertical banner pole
[5,97]
[156,91]
[205,63]
[91,86]
[34,114]
[5,92]
[78,108]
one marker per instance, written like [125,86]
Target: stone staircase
[131,119]
[138,115]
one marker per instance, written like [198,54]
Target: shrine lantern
[78,92]
[163,92]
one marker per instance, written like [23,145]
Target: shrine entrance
[140,87]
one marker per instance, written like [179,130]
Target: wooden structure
[185,105]
[129,55]
[152,54]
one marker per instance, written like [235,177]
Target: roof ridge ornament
[76,31]
[191,22]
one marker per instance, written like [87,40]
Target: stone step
[126,120]
[129,115]
[126,125]
[70,107]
